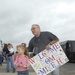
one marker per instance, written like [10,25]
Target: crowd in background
[9,56]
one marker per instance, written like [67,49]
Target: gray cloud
[17,16]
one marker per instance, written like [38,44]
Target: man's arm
[48,46]
[53,39]
[30,47]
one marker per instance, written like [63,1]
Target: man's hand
[48,47]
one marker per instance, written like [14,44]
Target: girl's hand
[24,66]
[21,65]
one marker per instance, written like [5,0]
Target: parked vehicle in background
[69,49]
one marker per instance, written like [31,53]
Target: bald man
[41,41]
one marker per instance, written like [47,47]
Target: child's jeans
[10,60]
[23,72]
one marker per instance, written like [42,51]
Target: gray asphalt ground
[67,69]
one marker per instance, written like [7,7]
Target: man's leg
[55,72]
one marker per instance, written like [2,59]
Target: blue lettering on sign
[53,65]
[47,61]
[53,48]
[40,56]
[43,71]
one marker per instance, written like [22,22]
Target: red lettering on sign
[59,61]
[46,69]
[57,45]
[52,58]
[32,60]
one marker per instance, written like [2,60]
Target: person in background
[11,48]
[23,44]
[4,52]
[41,41]
[9,53]
[22,60]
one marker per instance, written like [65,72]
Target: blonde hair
[23,48]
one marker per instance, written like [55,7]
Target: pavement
[67,69]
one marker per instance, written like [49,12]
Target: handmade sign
[48,60]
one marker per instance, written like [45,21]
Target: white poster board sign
[48,60]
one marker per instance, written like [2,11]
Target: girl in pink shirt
[22,61]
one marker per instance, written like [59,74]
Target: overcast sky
[17,16]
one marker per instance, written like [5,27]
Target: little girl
[22,61]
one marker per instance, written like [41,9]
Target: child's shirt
[22,60]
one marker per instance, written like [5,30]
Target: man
[41,41]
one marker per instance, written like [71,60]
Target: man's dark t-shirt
[37,44]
